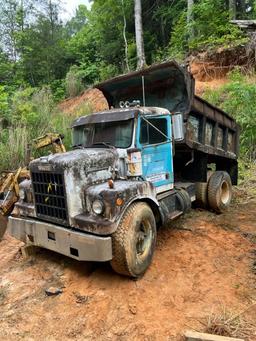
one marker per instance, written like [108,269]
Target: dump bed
[168,85]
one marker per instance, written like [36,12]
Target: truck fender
[153,204]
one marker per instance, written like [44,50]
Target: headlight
[22,194]
[98,207]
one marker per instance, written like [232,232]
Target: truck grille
[50,196]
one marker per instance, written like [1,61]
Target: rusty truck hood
[167,85]
[88,159]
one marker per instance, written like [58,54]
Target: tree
[43,57]
[141,60]
[9,27]
[125,39]
[190,18]
[232,9]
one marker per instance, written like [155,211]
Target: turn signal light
[119,201]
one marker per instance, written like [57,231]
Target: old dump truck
[134,167]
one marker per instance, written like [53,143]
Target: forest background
[44,60]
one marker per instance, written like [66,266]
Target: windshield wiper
[105,144]
[78,146]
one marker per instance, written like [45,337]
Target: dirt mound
[93,98]
[215,84]
[213,65]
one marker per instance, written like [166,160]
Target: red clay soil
[91,97]
[203,262]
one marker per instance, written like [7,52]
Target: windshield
[117,134]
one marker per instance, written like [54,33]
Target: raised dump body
[211,135]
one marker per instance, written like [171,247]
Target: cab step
[174,214]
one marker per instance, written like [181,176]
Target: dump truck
[144,162]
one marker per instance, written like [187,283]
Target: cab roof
[120,114]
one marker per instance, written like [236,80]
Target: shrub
[14,157]
[209,30]
[73,82]
[238,98]
[33,114]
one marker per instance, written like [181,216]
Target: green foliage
[58,89]
[238,98]
[4,97]
[33,113]
[179,42]
[211,29]
[73,82]
[107,71]
[14,157]
[23,110]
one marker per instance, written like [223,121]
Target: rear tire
[201,194]
[134,241]
[184,200]
[219,191]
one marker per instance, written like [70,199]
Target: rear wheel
[219,191]
[201,194]
[134,241]
[184,200]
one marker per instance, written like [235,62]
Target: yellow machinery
[55,140]
[9,181]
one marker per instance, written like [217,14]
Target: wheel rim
[143,240]
[225,193]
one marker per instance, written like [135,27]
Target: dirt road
[204,263]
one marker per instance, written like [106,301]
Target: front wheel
[134,241]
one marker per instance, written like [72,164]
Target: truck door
[154,138]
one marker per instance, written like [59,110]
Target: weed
[228,324]
[3,293]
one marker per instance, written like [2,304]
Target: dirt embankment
[93,98]
[204,263]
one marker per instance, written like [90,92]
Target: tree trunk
[125,39]
[232,9]
[141,60]
[190,18]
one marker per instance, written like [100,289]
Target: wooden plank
[195,336]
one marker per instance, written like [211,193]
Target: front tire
[134,241]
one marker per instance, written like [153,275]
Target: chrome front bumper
[77,245]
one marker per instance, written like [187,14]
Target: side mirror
[178,126]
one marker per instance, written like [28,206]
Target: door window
[154,131]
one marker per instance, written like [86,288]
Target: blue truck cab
[154,139]
[157,150]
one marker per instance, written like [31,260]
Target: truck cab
[139,134]
[131,169]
